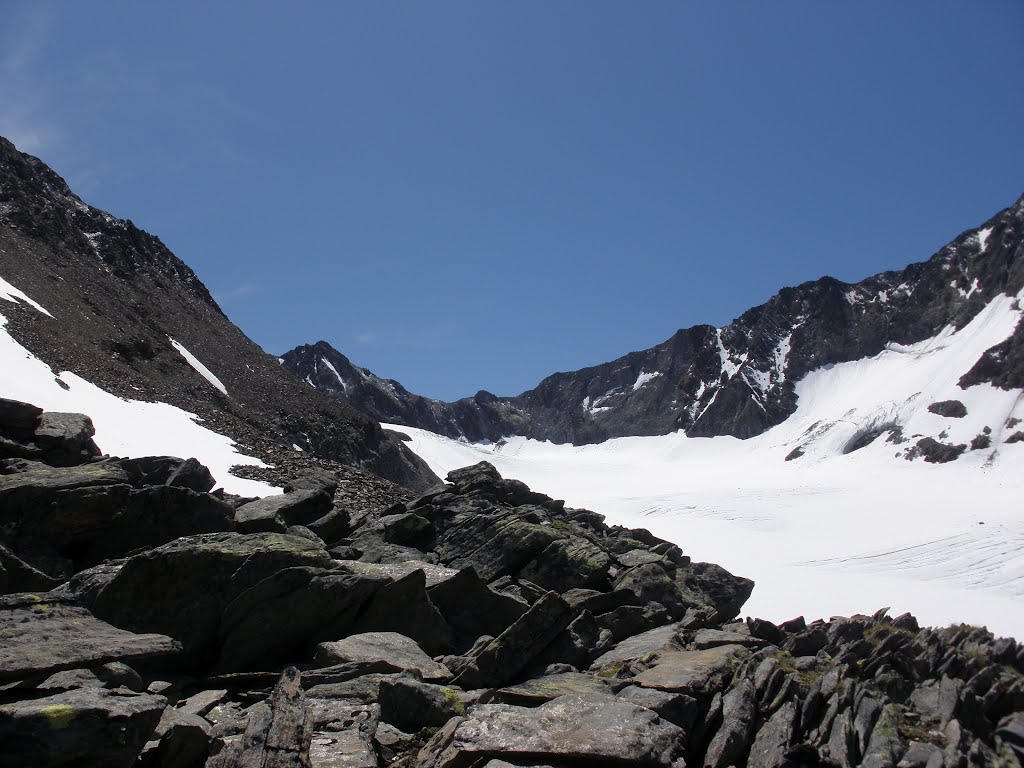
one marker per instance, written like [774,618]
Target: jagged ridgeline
[152,621]
[738,380]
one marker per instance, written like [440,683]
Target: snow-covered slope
[848,523]
[123,427]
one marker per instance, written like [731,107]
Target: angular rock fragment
[397,650]
[508,654]
[279,731]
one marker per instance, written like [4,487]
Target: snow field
[829,532]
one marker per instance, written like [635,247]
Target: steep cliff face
[737,380]
[134,319]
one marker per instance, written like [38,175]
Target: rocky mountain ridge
[481,623]
[122,309]
[738,380]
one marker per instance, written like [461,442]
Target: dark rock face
[936,452]
[136,296]
[737,380]
[952,409]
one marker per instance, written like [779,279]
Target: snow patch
[201,369]
[643,378]
[968,293]
[593,407]
[782,351]
[9,293]
[728,365]
[124,427]
[983,235]
[337,375]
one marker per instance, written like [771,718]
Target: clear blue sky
[472,195]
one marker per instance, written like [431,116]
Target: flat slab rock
[592,727]
[712,638]
[696,673]
[85,726]
[398,650]
[39,634]
[638,646]
[543,689]
[434,574]
[42,478]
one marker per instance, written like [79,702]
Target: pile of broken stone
[149,620]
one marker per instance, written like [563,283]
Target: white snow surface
[201,369]
[9,293]
[828,533]
[123,427]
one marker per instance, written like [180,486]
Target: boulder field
[148,619]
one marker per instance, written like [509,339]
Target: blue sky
[472,195]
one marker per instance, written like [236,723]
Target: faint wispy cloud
[227,296]
[24,116]
[428,336]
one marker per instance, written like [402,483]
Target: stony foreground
[147,621]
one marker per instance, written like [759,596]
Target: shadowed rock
[80,727]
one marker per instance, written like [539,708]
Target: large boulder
[300,507]
[63,506]
[712,586]
[156,515]
[193,475]
[79,727]
[202,575]
[569,563]
[287,613]
[16,415]
[496,544]
[66,438]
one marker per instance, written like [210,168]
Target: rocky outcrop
[737,380]
[423,639]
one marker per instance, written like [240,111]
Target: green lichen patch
[58,716]
[452,697]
